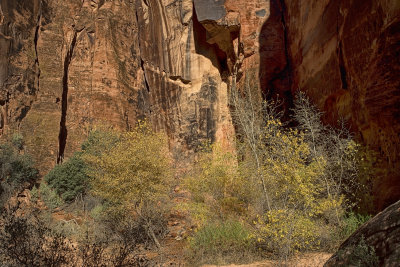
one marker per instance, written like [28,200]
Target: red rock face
[345,55]
[68,65]
[18,61]
[71,64]
[190,51]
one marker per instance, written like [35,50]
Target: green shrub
[34,194]
[16,168]
[69,179]
[49,197]
[228,241]
[18,141]
[351,222]
[361,254]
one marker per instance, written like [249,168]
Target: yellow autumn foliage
[216,185]
[132,172]
[287,231]
[297,189]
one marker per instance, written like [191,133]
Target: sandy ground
[306,260]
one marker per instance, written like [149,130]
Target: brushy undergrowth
[113,200]
[49,197]
[296,187]
[221,243]
[16,167]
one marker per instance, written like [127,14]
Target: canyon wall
[346,56]
[64,66]
[68,65]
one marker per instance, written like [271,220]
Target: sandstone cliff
[345,55]
[66,65]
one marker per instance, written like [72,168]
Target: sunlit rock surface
[67,65]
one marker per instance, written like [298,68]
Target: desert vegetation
[289,187]
[115,191]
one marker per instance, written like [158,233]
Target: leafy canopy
[134,171]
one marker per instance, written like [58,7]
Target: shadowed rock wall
[346,56]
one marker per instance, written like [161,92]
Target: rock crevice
[342,67]
[146,83]
[35,40]
[62,137]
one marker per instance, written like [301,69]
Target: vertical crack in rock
[36,38]
[62,137]
[188,59]
[342,68]
[288,67]
[140,54]
[144,74]
[236,65]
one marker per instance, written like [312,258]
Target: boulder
[377,242]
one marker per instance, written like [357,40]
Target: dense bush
[115,245]
[127,176]
[286,231]
[135,170]
[16,168]
[217,185]
[69,179]
[131,173]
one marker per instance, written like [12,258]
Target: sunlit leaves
[133,170]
